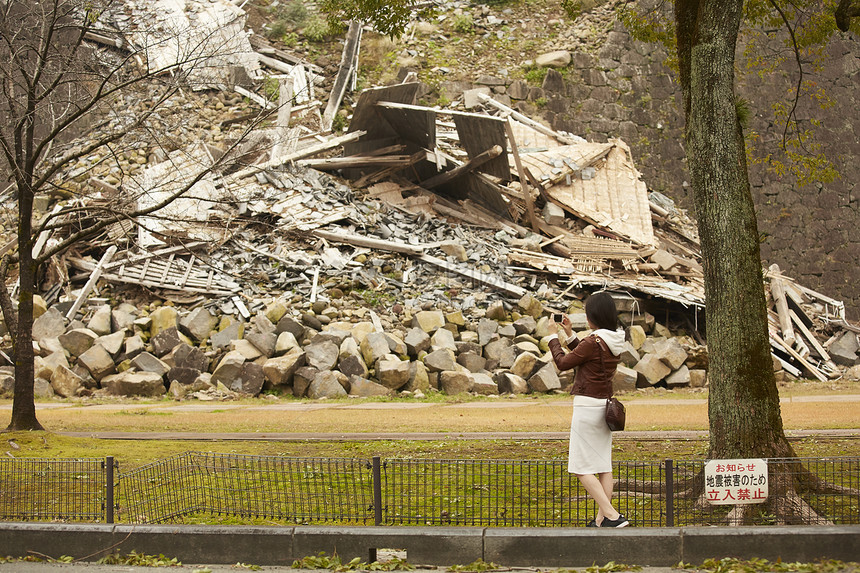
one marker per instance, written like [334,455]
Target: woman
[590,438]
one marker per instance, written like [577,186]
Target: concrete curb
[437,546]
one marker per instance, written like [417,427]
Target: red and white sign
[730,482]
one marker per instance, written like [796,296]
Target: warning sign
[736,481]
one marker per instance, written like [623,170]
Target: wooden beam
[466,167]
[527,196]
[484,278]
[783,345]
[526,120]
[298,154]
[347,67]
[333,163]
[778,294]
[369,242]
[91,283]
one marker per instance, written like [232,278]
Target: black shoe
[621,521]
[591,523]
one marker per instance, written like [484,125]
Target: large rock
[187,356]
[291,325]
[545,379]
[525,325]
[455,382]
[100,323]
[352,365]
[680,378]
[373,347]
[524,365]
[511,384]
[652,368]
[501,353]
[181,375]
[65,382]
[487,331]
[246,349]
[285,342]
[530,306]
[130,383]
[496,311]
[393,374]
[629,355]
[323,355]
[198,323]
[276,311]
[396,345]
[50,325]
[698,378]
[443,339]
[229,369]
[472,362]
[225,336]
[636,336]
[165,340]
[302,380]
[419,381]
[121,320]
[112,342]
[42,389]
[146,362]
[132,346]
[555,59]
[671,353]
[78,340]
[843,350]
[484,384]
[326,385]
[97,361]
[335,336]
[163,317]
[417,341]
[440,360]
[364,388]
[624,379]
[279,371]
[429,320]
[250,379]
[45,366]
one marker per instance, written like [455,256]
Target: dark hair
[601,312]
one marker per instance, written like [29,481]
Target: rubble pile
[425,256]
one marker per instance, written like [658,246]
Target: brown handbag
[615,414]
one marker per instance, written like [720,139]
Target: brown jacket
[594,377]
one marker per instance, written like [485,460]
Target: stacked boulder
[322,351]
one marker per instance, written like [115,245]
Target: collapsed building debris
[434,268]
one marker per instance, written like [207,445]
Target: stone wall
[628,91]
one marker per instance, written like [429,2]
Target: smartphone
[557,317]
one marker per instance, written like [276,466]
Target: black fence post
[670,494]
[109,490]
[377,490]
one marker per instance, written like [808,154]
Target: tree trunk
[743,405]
[23,404]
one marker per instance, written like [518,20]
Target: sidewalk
[435,546]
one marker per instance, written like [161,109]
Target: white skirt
[590,438]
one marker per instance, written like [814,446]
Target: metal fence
[207,486]
[56,489]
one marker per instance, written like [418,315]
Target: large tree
[68,107]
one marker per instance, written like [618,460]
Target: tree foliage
[775,35]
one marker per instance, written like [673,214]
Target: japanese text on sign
[735,481]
